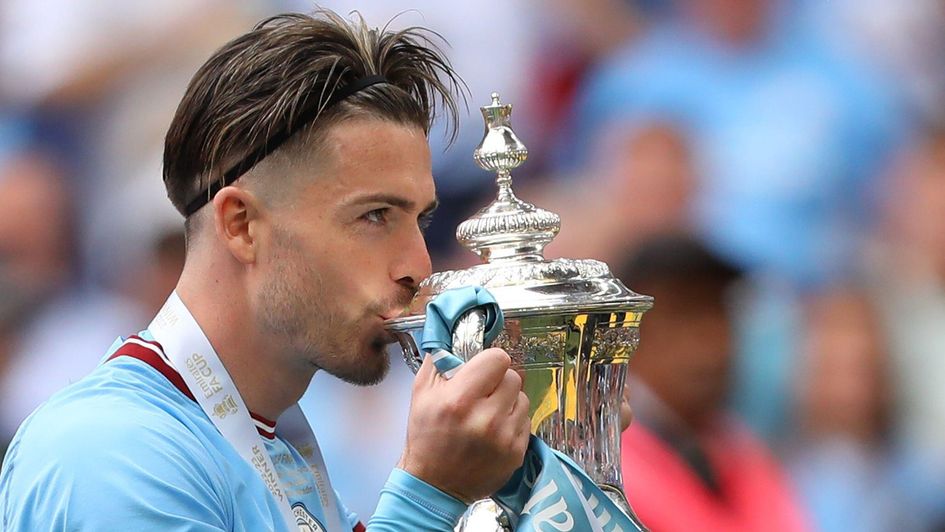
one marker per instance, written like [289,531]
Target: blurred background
[782,162]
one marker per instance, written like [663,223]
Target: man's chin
[375,364]
[364,378]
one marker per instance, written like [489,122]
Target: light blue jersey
[127,448]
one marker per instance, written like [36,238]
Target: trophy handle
[412,355]
[469,334]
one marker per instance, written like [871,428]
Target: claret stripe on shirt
[152,354]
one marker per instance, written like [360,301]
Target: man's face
[737,22]
[348,251]
[685,352]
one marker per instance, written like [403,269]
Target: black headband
[272,143]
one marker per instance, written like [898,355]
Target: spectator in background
[908,260]
[98,83]
[687,464]
[642,186]
[44,313]
[35,254]
[904,39]
[789,135]
[851,470]
[35,237]
[907,264]
[100,80]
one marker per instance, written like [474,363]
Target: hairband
[272,143]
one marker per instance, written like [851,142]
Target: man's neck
[268,380]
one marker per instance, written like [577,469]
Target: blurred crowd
[773,171]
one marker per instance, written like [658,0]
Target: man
[299,158]
[687,464]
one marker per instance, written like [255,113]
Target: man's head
[843,382]
[686,345]
[307,137]
[735,22]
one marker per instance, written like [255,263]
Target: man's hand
[468,434]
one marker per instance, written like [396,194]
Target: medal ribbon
[190,353]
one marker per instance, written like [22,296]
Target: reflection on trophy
[570,326]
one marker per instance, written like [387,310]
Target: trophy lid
[510,235]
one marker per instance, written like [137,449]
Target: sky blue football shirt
[126,448]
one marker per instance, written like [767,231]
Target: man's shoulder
[107,442]
[121,406]
[120,416]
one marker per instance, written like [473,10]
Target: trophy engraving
[570,326]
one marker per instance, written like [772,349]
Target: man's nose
[412,261]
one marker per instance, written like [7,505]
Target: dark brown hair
[258,85]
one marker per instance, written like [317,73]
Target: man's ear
[236,218]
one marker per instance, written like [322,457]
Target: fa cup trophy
[570,326]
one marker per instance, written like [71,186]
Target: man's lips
[394,307]
[387,337]
[395,311]
[383,334]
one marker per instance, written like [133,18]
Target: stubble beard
[293,306]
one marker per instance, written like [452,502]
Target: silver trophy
[570,326]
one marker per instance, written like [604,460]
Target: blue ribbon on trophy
[549,492]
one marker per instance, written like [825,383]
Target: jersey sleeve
[110,474]
[408,503]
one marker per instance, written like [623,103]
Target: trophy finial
[500,149]
[508,227]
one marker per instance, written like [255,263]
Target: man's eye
[377,216]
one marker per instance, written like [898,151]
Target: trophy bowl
[570,325]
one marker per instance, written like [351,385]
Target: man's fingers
[426,375]
[506,393]
[483,373]
[523,408]
[524,427]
